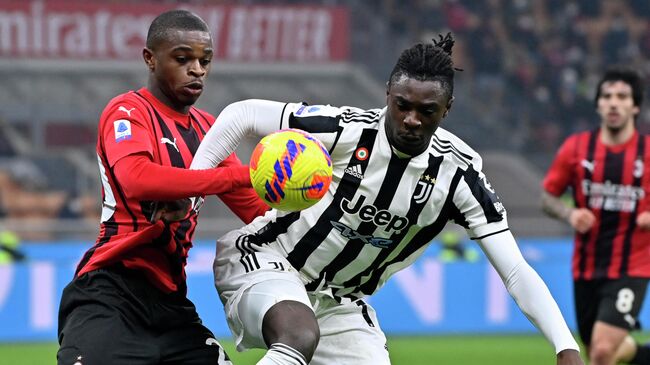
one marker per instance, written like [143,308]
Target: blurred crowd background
[529,69]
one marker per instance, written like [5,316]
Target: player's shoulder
[575,136]
[345,113]
[453,149]
[124,110]
[129,97]
[576,139]
[354,114]
[125,105]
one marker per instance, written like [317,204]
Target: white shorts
[250,279]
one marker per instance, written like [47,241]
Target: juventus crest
[424,188]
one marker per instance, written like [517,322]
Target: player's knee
[303,340]
[642,355]
[601,352]
[293,324]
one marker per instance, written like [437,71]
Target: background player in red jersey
[607,170]
[127,303]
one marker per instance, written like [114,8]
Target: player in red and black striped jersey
[127,303]
[608,172]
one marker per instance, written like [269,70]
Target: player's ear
[388,93]
[149,59]
[449,103]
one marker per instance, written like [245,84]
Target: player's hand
[569,357]
[643,220]
[172,211]
[582,219]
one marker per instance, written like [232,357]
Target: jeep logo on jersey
[381,218]
[351,234]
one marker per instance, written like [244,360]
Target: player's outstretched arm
[140,178]
[237,120]
[530,293]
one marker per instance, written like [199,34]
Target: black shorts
[614,301]
[115,316]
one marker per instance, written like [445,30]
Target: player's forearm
[536,302]
[528,289]
[555,207]
[245,204]
[142,179]
[237,120]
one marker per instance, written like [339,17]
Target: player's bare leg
[289,327]
[631,352]
[605,342]
[627,349]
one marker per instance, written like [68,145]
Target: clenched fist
[582,219]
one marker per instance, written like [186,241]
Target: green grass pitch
[439,350]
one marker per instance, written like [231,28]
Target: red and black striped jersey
[611,181]
[144,151]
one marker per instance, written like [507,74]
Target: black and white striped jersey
[382,209]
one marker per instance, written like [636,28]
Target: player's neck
[615,137]
[399,153]
[159,94]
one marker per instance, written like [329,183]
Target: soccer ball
[290,170]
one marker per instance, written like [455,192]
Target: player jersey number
[625,300]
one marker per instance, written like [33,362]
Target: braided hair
[173,20]
[427,62]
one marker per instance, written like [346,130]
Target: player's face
[179,66]
[415,109]
[616,105]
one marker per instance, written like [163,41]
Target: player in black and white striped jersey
[294,282]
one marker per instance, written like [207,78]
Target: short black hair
[173,20]
[428,62]
[628,76]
